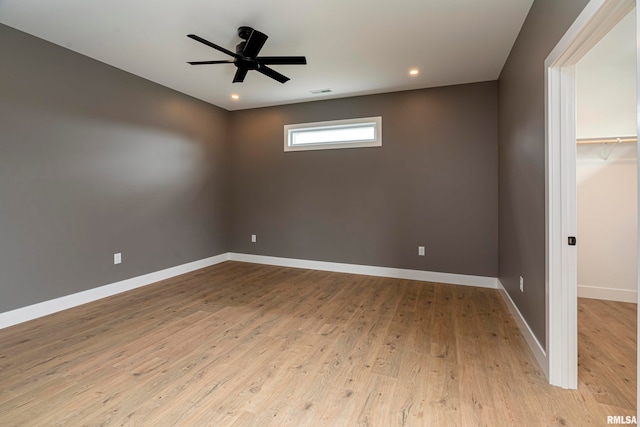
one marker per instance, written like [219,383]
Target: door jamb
[597,18]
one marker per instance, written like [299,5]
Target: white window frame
[289,130]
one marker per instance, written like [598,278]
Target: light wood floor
[247,345]
[607,351]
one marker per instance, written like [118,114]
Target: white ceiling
[353,47]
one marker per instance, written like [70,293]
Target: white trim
[597,18]
[396,273]
[561,303]
[609,294]
[44,308]
[530,338]
[19,315]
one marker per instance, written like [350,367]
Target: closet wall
[606,172]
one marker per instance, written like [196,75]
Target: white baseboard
[23,314]
[609,294]
[538,351]
[44,308]
[396,273]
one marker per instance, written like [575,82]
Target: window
[351,133]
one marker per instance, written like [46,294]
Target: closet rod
[606,140]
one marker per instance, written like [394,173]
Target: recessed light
[414,72]
[235,97]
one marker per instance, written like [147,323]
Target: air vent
[316,92]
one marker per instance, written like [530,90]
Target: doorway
[607,221]
[596,20]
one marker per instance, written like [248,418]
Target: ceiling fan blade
[254,44]
[228,61]
[272,73]
[241,73]
[213,45]
[283,60]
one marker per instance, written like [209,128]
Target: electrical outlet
[521,284]
[254,238]
[421,250]
[117,258]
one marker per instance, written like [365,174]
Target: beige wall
[607,223]
[607,188]
[606,84]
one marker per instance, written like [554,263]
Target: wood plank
[245,344]
[609,376]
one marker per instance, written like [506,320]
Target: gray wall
[95,161]
[521,157]
[432,183]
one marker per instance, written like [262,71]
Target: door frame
[595,21]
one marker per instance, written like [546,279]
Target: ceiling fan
[246,56]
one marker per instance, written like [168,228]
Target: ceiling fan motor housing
[244,61]
[244,32]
